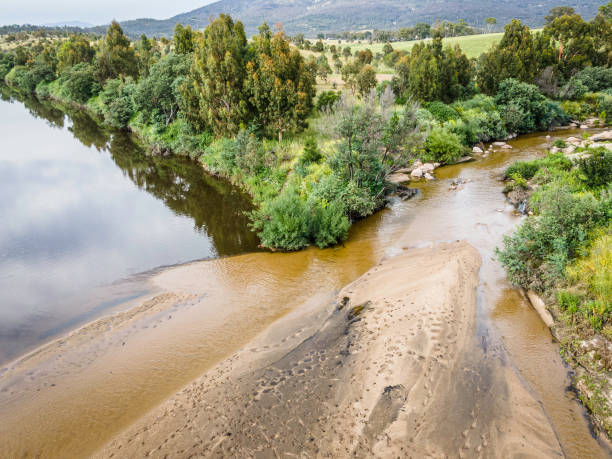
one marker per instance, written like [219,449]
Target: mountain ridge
[311,17]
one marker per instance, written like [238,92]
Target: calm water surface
[82,208]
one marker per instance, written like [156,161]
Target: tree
[365,56]
[319,47]
[350,70]
[279,84]
[346,52]
[491,23]
[323,68]
[366,80]
[433,72]
[215,89]
[574,40]
[157,96]
[183,39]
[559,11]
[387,49]
[606,11]
[518,55]
[116,58]
[74,51]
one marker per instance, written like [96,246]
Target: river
[236,297]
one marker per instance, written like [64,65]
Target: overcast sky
[92,11]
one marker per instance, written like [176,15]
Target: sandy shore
[392,368]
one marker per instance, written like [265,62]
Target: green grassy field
[472,45]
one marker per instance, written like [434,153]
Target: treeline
[420,31]
[38,31]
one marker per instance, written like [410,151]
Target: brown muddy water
[72,395]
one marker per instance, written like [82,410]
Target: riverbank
[391,368]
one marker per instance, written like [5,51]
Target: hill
[319,16]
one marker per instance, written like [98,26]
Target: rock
[548,137]
[428,176]
[464,159]
[436,165]
[507,147]
[477,150]
[399,178]
[499,144]
[555,150]
[417,164]
[417,173]
[606,135]
[583,126]
[569,150]
[572,139]
[428,167]
[406,193]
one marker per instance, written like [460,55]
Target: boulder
[399,178]
[573,140]
[555,150]
[436,165]
[606,135]
[569,150]
[477,150]
[428,176]
[499,144]
[507,147]
[427,167]
[583,126]
[417,173]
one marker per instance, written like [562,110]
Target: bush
[443,146]
[597,168]
[116,98]
[329,224]
[7,62]
[441,111]
[525,109]
[327,99]
[595,78]
[560,143]
[311,153]
[284,222]
[528,169]
[79,83]
[537,254]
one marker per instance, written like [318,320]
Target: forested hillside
[311,17]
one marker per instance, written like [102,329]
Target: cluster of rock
[495,146]
[415,172]
[601,139]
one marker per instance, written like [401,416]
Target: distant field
[472,45]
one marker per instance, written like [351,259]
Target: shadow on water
[79,232]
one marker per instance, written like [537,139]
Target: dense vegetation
[247,109]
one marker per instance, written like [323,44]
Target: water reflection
[73,219]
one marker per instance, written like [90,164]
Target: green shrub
[441,111]
[7,62]
[560,143]
[327,99]
[528,169]
[536,255]
[79,83]
[443,146]
[568,301]
[597,168]
[595,78]
[329,224]
[311,153]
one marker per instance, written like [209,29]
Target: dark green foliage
[117,98]
[518,55]
[311,153]
[433,72]
[441,111]
[157,96]
[73,51]
[79,83]
[327,99]
[528,169]
[444,146]
[537,254]
[116,57]
[184,39]
[7,62]
[597,168]
[595,78]
[525,109]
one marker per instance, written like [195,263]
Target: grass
[472,45]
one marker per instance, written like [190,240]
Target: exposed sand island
[393,369]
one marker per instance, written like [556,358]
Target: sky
[92,11]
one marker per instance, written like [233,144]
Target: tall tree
[215,88]
[491,22]
[280,86]
[184,39]
[74,51]
[574,40]
[559,11]
[116,57]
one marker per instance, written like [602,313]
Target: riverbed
[73,395]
